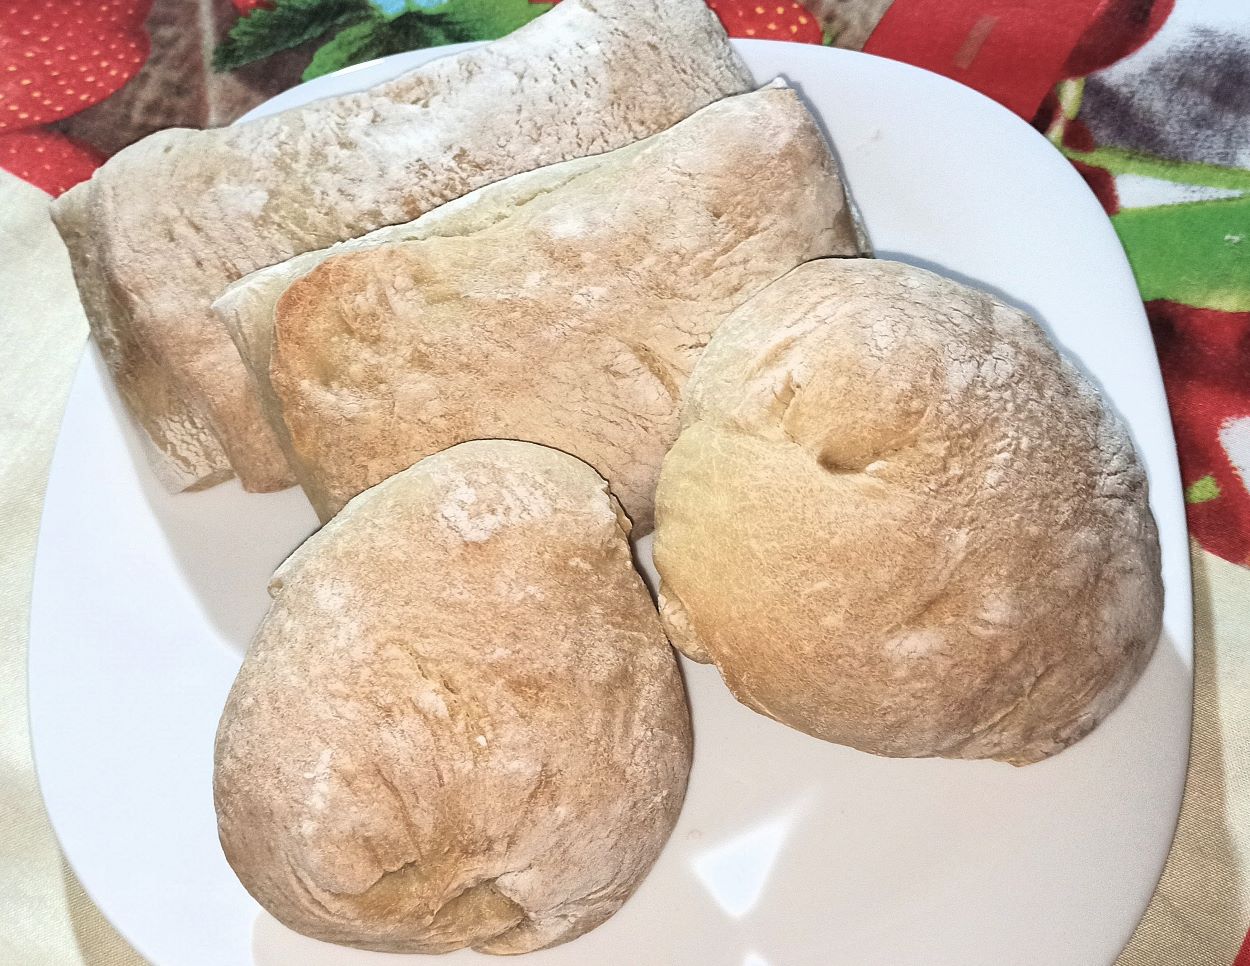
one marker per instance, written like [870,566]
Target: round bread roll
[460,723]
[896,519]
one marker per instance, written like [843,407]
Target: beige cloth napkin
[45,915]
[1197,918]
[1199,913]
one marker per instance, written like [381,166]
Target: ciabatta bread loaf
[897,519]
[460,723]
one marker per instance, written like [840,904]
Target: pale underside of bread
[168,223]
[460,723]
[897,519]
[573,322]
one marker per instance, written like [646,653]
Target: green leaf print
[1196,253]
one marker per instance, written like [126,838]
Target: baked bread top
[460,723]
[896,518]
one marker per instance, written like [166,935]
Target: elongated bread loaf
[162,228]
[460,723]
[571,320]
[897,519]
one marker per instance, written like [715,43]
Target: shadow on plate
[227,542]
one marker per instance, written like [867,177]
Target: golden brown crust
[896,519]
[248,306]
[161,229]
[573,322]
[460,723]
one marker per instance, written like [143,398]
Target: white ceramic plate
[790,852]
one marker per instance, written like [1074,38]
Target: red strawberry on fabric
[771,20]
[778,20]
[58,58]
[47,159]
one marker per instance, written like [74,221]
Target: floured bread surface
[571,320]
[168,223]
[247,307]
[460,723]
[896,519]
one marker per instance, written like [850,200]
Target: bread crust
[896,518]
[460,723]
[247,307]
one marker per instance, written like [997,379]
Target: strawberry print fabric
[55,60]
